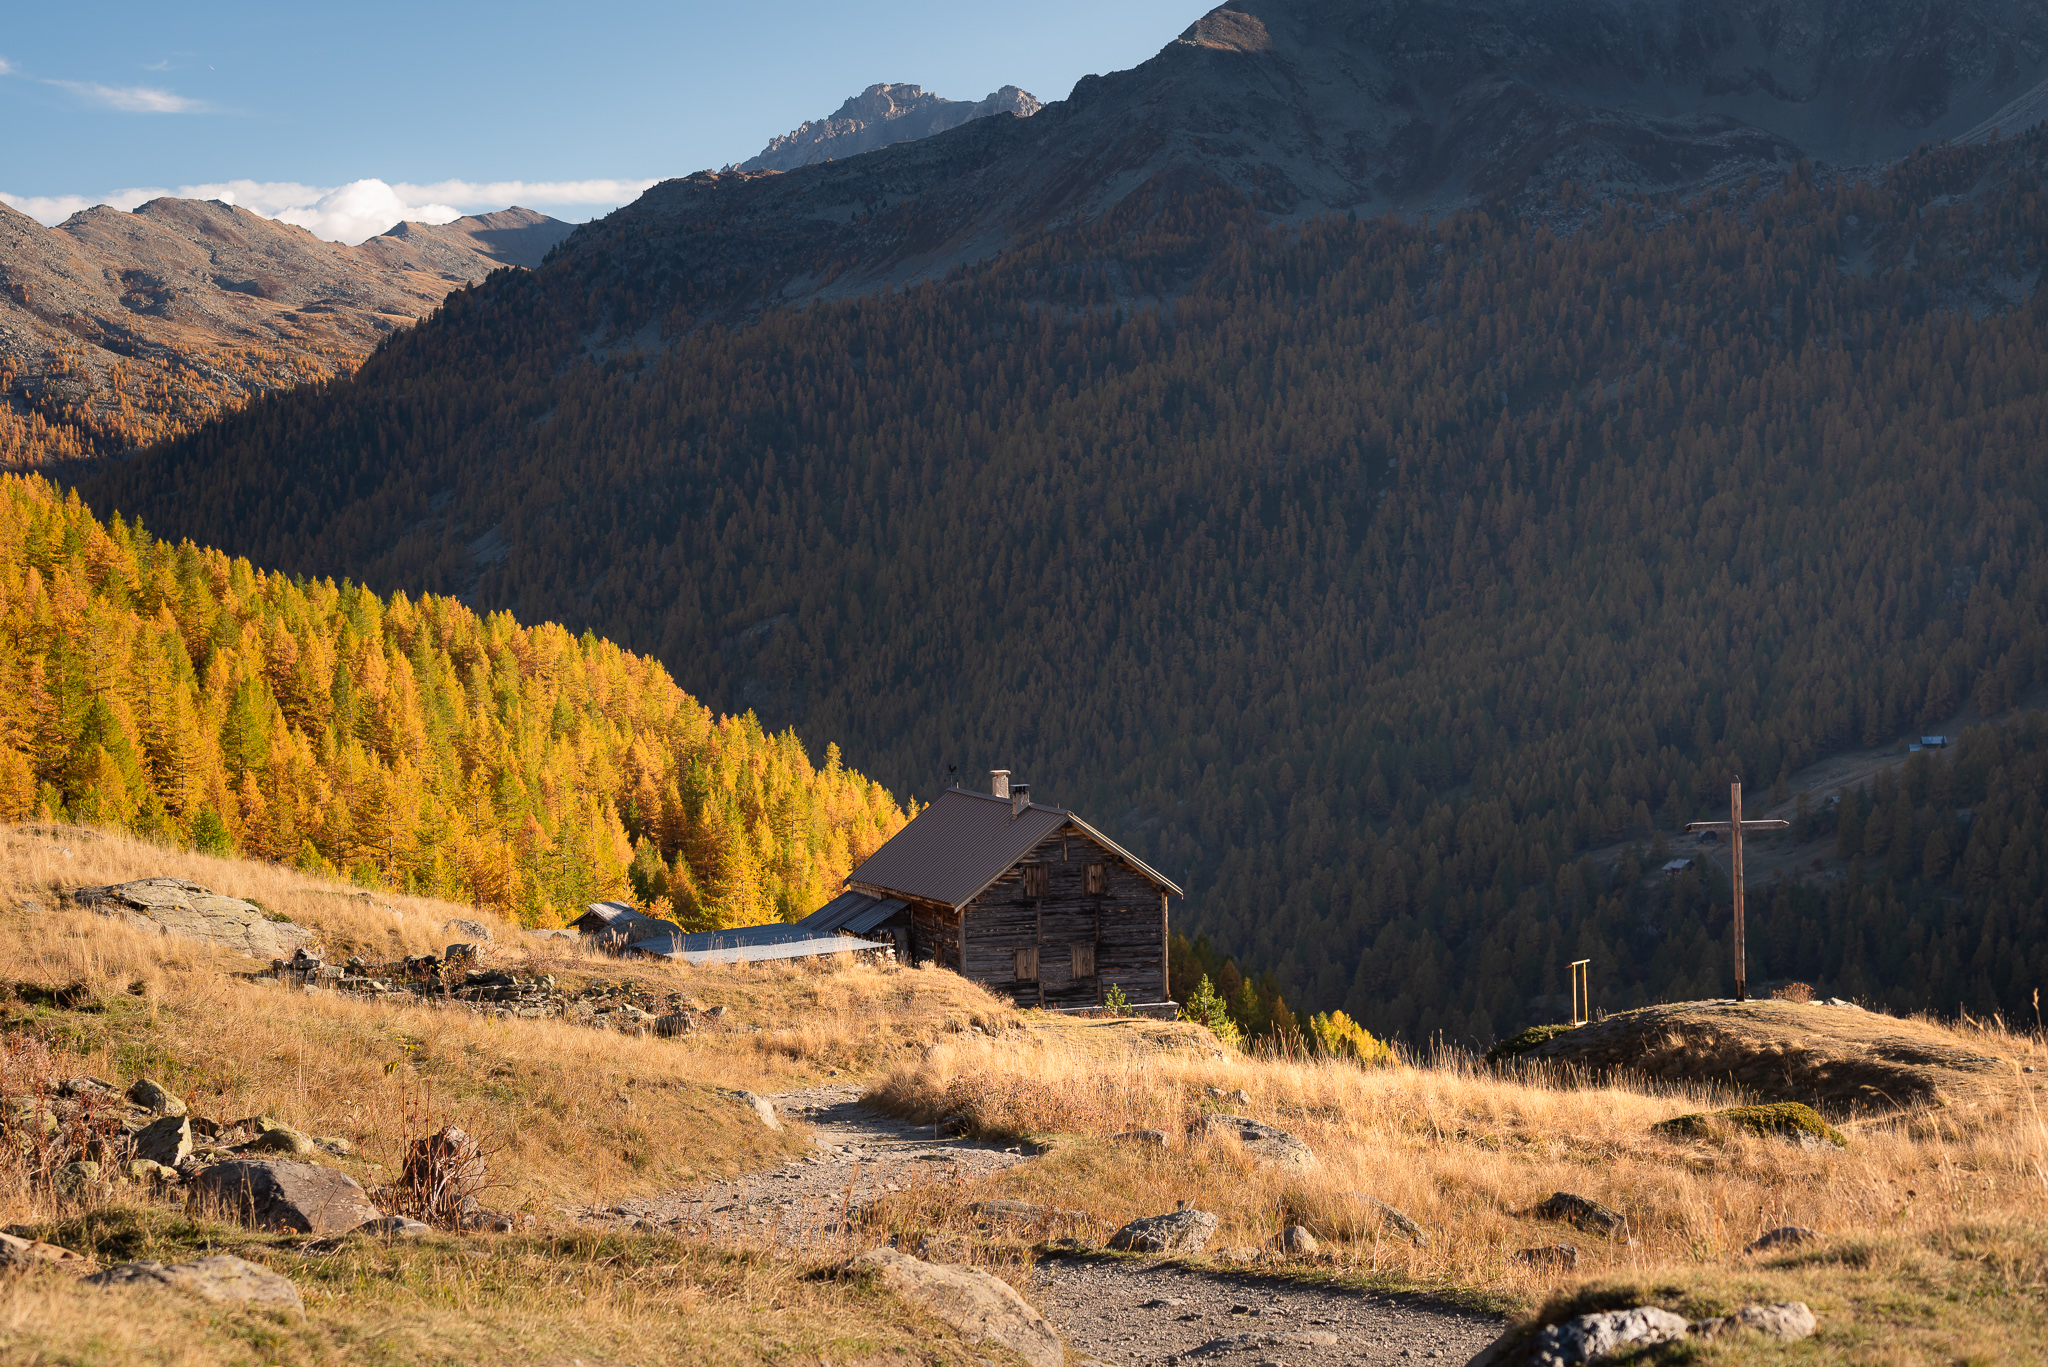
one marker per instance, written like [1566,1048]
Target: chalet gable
[962,843]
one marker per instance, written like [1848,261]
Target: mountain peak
[883,114]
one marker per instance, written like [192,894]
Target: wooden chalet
[1027,900]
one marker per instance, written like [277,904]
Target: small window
[1035,879]
[1098,879]
[1027,965]
[1084,961]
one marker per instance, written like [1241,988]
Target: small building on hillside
[1027,900]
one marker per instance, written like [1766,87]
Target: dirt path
[1133,1315]
[861,1154]
[1126,1314]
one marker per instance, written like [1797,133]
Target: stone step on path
[860,1155]
[1137,1315]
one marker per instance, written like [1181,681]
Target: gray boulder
[1784,1236]
[272,1137]
[222,1278]
[761,1106]
[1557,1256]
[1296,1241]
[167,1141]
[981,1307]
[302,1198]
[468,929]
[175,906]
[1592,1337]
[154,1098]
[1788,1322]
[1155,1138]
[1260,1140]
[1582,1214]
[1180,1231]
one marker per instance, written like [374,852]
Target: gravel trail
[1124,1314]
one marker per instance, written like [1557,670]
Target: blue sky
[462,107]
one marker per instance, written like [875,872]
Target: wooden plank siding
[1121,924]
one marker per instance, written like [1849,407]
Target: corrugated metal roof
[854,913]
[965,841]
[750,944]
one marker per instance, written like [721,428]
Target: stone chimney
[999,782]
[1020,798]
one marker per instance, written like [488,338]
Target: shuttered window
[1084,961]
[1035,879]
[1027,965]
[1098,879]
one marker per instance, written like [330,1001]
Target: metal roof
[852,913]
[751,944]
[965,841]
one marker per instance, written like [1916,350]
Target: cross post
[1735,826]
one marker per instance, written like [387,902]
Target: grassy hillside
[408,742]
[1360,575]
[1932,1217]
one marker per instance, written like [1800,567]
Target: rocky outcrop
[176,906]
[981,1307]
[1581,1213]
[221,1278]
[302,1198]
[1614,1333]
[880,116]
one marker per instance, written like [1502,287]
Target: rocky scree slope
[879,116]
[119,328]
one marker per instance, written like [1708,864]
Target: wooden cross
[1735,826]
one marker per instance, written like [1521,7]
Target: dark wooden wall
[1125,923]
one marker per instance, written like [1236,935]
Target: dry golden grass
[1463,1151]
[589,1298]
[571,1116]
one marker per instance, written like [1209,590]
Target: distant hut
[1026,899]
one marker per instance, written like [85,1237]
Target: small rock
[1215,1093]
[146,1170]
[304,1198]
[1297,1242]
[278,1139]
[1580,1213]
[1784,1236]
[1155,1138]
[468,929]
[458,954]
[717,1013]
[334,1144]
[762,1107]
[1182,1231]
[167,1141]
[1789,1322]
[222,1278]
[673,1024]
[86,1087]
[17,1253]
[393,1227]
[1241,1097]
[1562,1256]
[981,1307]
[154,1098]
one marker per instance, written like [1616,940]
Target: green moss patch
[1783,1119]
[1524,1042]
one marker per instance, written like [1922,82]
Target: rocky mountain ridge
[880,116]
[118,328]
[1300,107]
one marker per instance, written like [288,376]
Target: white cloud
[132,99]
[499,193]
[7,68]
[361,209]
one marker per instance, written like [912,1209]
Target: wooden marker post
[1735,826]
[1582,993]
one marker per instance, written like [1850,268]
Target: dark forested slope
[1363,585]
